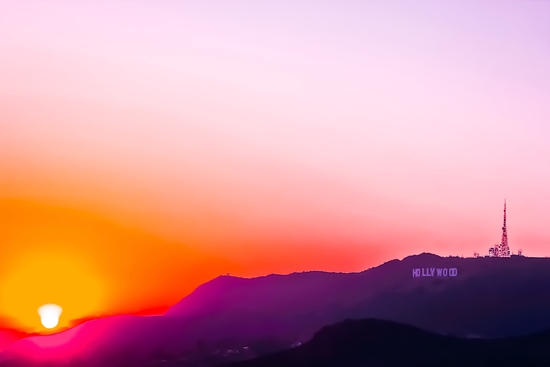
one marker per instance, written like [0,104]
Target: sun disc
[49,315]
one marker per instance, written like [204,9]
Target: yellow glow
[49,278]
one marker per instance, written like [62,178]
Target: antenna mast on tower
[504,249]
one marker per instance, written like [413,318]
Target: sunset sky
[149,146]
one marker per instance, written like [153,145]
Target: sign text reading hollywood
[435,272]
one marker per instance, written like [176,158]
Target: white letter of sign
[453,272]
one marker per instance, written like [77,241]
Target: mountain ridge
[293,307]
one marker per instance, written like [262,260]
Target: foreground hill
[377,343]
[9,336]
[488,297]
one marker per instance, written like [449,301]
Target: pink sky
[351,131]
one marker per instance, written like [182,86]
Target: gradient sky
[148,146]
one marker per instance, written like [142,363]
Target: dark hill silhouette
[377,343]
[489,297]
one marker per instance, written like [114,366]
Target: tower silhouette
[504,249]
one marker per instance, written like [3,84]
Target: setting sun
[43,281]
[49,315]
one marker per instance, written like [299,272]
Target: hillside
[378,343]
[488,297]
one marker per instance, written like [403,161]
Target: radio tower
[504,249]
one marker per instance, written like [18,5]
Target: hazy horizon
[148,147]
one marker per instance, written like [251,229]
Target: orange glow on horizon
[94,267]
[89,266]
[40,278]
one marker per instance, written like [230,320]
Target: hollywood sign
[435,272]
